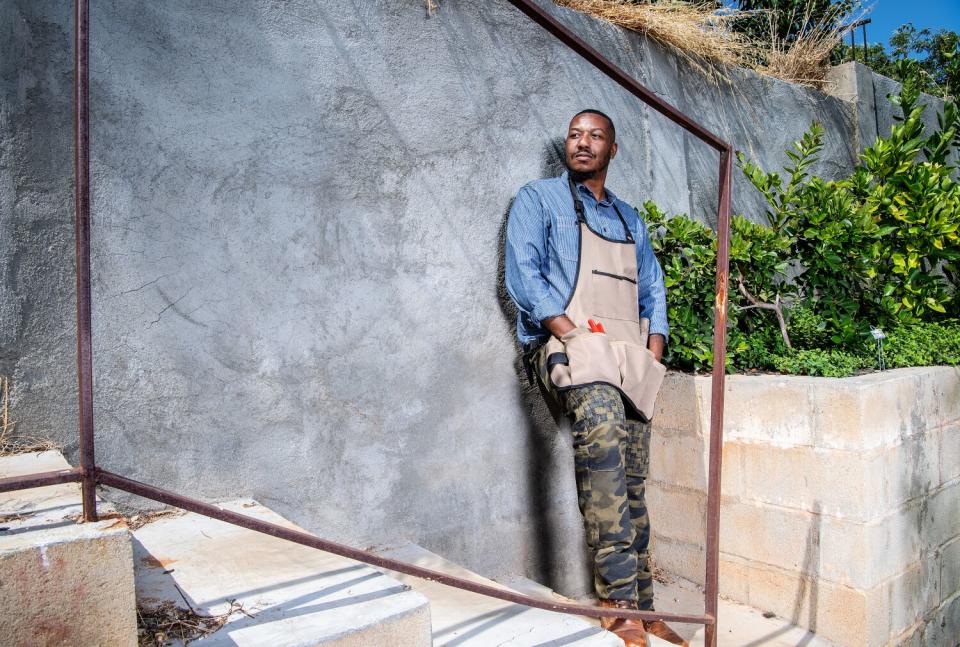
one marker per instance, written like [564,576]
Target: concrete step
[269,591]
[465,619]
[739,625]
[62,582]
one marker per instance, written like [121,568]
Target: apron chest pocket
[614,296]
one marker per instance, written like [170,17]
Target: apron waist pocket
[640,375]
[592,359]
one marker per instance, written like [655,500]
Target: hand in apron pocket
[591,357]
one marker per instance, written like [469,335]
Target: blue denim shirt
[543,243]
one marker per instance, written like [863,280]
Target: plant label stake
[879,335]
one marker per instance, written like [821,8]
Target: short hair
[592,111]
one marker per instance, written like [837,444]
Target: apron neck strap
[581,216]
[577,202]
[626,230]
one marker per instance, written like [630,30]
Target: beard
[581,175]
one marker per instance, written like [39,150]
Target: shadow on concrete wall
[543,424]
[807,597]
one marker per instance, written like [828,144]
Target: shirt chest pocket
[565,238]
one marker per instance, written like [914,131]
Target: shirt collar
[606,202]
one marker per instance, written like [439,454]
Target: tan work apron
[605,291]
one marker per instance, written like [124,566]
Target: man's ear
[613,151]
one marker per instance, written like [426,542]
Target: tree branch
[775,306]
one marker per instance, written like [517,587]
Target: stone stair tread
[49,514]
[465,619]
[297,596]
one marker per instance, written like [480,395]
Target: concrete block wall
[840,499]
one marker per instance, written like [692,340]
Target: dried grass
[167,623]
[704,36]
[699,32]
[10,443]
[142,519]
[805,59]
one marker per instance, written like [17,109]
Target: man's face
[590,145]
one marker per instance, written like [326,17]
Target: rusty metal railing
[89,475]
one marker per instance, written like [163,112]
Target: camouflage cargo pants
[611,459]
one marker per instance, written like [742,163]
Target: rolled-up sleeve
[652,293]
[525,255]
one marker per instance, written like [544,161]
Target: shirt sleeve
[525,256]
[652,292]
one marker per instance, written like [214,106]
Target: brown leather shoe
[631,632]
[660,629]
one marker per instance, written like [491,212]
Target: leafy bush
[817,361]
[878,248]
[923,344]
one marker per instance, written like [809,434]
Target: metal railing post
[88,462]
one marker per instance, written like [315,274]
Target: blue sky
[887,15]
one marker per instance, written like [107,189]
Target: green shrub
[687,252]
[817,361]
[807,328]
[878,248]
[923,344]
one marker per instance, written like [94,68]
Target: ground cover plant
[879,248]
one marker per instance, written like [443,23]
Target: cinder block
[941,523]
[768,409]
[950,570]
[836,613]
[949,394]
[943,627]
[834,407]
[864,555]
[679,460]
[732,468]
[68,591]
[686,560]
[677,513]
[909,469]
[677,408]
[770,535]
[903,600]
[949,440]
[734,578]
[812,479]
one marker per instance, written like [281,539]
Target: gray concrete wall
[297,215]
[869,94]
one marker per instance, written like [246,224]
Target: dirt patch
[138,521]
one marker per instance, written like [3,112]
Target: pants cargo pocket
[637,459]
[581,456]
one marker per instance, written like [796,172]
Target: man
[580,268]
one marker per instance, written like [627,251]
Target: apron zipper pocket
[615,276]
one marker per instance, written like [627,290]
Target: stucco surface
[297,219]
